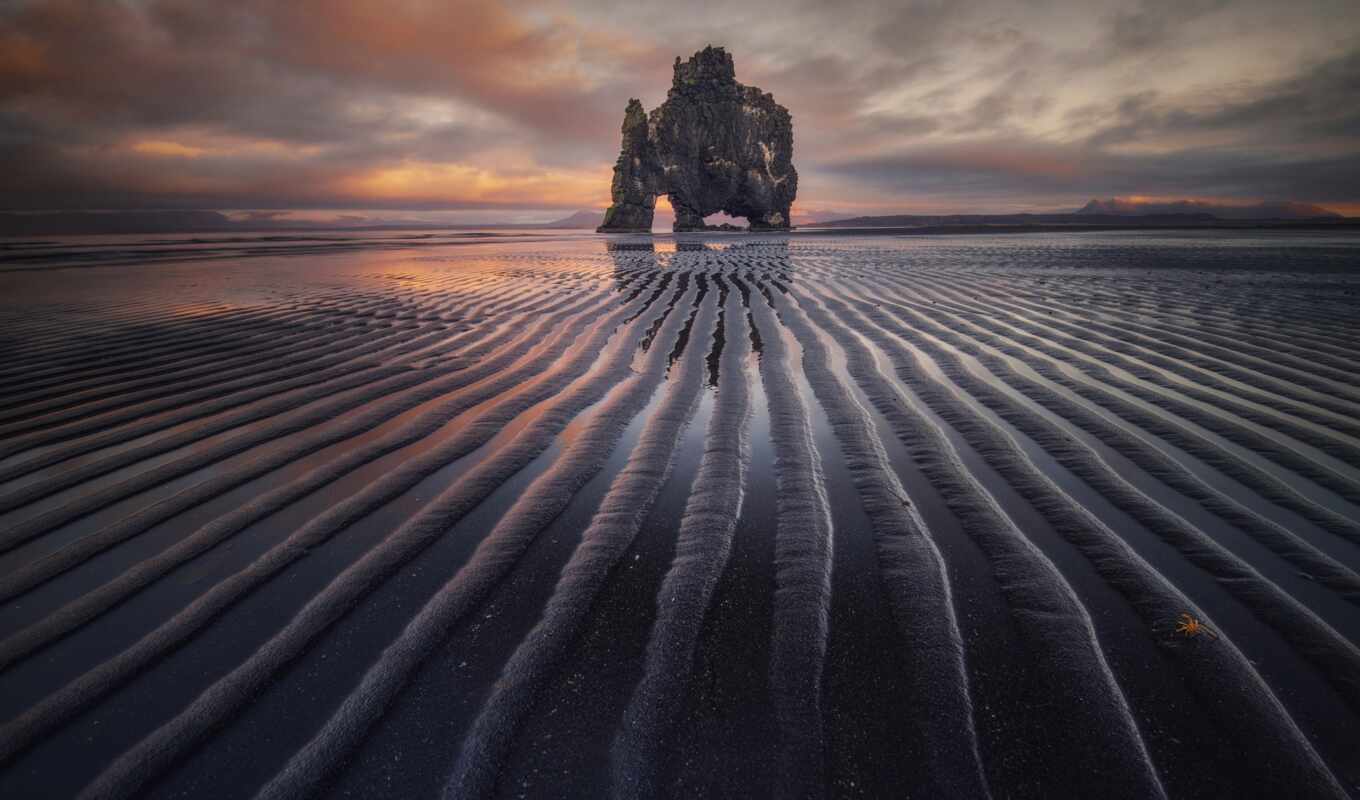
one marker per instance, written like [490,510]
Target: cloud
[1150,26]
[897,105]
[1051,175]
[1315,107]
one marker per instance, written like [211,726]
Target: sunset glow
[963,107]
[456,400]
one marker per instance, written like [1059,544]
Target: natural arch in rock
[714,145]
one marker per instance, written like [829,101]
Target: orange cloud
[424,183]
[194,145]
[261,104]
[165,147]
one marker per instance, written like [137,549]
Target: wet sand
[569,515]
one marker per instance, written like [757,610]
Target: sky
[511,111]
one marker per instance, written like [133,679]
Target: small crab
[1190,627]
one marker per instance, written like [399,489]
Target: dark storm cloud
[1319,105]
[1152,25]
[290,99]
[361,103]
[288,70]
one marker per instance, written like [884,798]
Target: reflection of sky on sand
[437,363]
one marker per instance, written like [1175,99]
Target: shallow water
[407,513]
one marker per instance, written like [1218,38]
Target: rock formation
[714,145]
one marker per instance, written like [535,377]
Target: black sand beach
[558,514]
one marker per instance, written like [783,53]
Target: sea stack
[714,145]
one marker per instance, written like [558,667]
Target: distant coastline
[42,224]
[856,228]
[110,223]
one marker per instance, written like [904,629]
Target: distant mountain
[816,216]
[67,223]
[581,219]
[1278,209]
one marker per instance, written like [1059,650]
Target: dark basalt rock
[714,145]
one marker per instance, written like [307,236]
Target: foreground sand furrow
[395,349]
[170,742]
[1166,427]
[612,529]
[803,544]
[111,428]
[1288,331]
[241,334]
[180,340]
[1271,411]
[1156,462]
[1101,734]
[1100,297]
[217,374]
[500,371]
[1186,355]
[1256,720]
[1337,659]
[1139,444]
[40,406]
[150,359]
[1335,431]
[1279,347]
[63,325]
[496,555]
[187,341]
[174,739]
[702,548]
[282,416]
[1233,313]
[912,572]
[1140,384]
[703,515]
